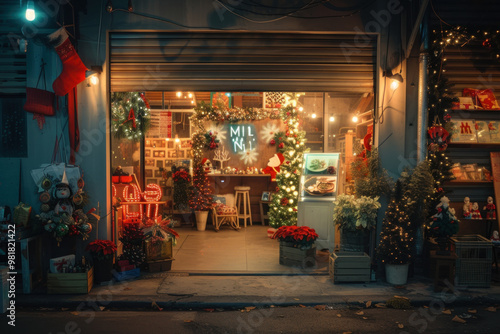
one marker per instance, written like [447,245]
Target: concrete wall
[93,101]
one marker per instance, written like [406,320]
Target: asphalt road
[482,319]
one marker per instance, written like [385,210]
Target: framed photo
[148,173]
[186,143]
[162,154]
[148,181]
[266,196]
[156,154]
[170,144]
[180,154]
[149,162]
[157,173]
[159,163]
[147,153]
[172,154]
[147,143]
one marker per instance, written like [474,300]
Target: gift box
[127,267]
[57,264]
[21,214]
[122,263]
[158,249]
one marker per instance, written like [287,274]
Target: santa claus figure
[273,166]
[490,209]
[207,165]
[476,214]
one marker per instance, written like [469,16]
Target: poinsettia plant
[101,249]
[302,237]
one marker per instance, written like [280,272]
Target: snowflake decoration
[249,156]
[217,130]
[268,131]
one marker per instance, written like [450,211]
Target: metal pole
[422,106]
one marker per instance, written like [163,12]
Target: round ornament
[284,201]
[439,138]
[46,183]
[44,197]
[80,183]
[45,207]
[73,231]
[61,230]
[130,115]
[85,228]
[78,199]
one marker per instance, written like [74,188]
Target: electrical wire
[439,17]
[309,5]
[276,7]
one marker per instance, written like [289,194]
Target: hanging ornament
[46,183]
[438,138]
[50,227]
[284,201]
[45,207]
[61,230]
[80,183]
[44,197]
[78,199]
[487,43]
[130,115]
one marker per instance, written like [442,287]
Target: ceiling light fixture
[109,6]
[332,118]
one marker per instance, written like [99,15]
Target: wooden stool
[443,267]
[242,196]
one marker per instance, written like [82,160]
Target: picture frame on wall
[162,154]
[147,143]
[170,144]
[172,154]
[149,181]
[159,163]
[147,153]
[215,97]
[148,173]
[157,173]
[266,196]
[156,154]
[149,162]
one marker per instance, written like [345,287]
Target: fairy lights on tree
[283,208]
[201,194]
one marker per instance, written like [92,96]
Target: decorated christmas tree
[395,238]
[132,238]
[440,168]
[283,209]
[182,181]
[201,193]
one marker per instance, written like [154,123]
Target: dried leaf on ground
[401,325]
[211,309]
[346,332]
[360,313]
[302,305]
[102,308]
[458,319]
[271,306]
[380,305]
[472,311]
[402,297]
[75,313]
[368,304]
[296,299]
[320,307]
[446,311]
[339,315]
[365,318]
[188,320]
[491,309]
[156,306]
[249,308]
[64,309]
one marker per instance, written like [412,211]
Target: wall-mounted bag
[40,101]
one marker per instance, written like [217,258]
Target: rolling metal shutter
[240,61]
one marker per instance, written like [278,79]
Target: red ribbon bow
[60,264]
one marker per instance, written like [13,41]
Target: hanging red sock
[73,68]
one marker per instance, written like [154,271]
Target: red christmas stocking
[73,68]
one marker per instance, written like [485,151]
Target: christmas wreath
[130,115]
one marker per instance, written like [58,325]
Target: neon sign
[243,137]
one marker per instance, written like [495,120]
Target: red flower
[281,145]
[101,247]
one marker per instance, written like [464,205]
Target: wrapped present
[122,263]
[157,248]
[21,214]
[57,264]
[127,267]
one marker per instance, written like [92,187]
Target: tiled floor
[248,250]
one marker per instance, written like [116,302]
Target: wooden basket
[70,283]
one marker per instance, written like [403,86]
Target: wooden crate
[349,267]
[292,256]
[69,283]
[160,265]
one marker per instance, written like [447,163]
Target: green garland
[130,115]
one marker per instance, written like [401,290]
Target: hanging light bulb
[109,6]
[313,115]
[301,109]
[394,85]
[332,118]
[30,11]
[94,80]
[179,94]
[355,119]
[130,7]
[177,139]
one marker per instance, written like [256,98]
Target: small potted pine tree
[201,197]
[395,249]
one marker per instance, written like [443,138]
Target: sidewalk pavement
[176,290]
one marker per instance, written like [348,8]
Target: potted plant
[296,245]
[103,253]
[201,196]
[444,224]
[394,248]
[355,217]
[182,180]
